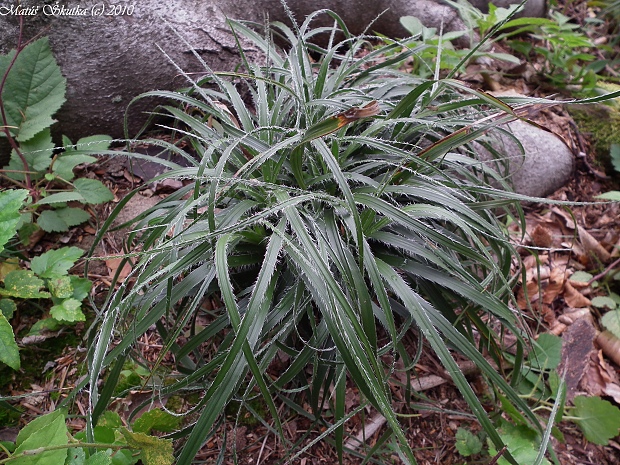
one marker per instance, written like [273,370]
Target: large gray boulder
[538,162]
[110,59]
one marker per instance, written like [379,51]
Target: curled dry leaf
[557,277]
[113,264]
[542,236]
[573,314]
[610,345]
[587,247]
[574,298]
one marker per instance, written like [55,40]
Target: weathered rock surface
[539,162]
[108,60]
[531,9]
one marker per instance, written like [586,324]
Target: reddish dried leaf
[574,298]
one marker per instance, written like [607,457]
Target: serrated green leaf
[76,456]
[597,418]
[7,266]
[93,144]
[412,24]
[60,287]
[604,301]
[56,262]
[27,231]
[7,308]
[10,203]
[43,326]
[110,419]
[581,277]
[93,191]
[547,352]
[522,443]
[64,164]
[68,311]
[34,90]
[38,154]
[100,458]
[157,420]
[62,219]
[9,352]
[61,197]
[611,195]
[611,322]
[51,221]
[153,450]
[467,443]
[47,430]
[23,284]
[81,287]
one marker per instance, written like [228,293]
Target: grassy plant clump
[330,213]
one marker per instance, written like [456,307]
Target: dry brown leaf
[612,390]
[592,246]
[555,286]
[610,345]
[574,298]
[589,245]
[113,264]
[542,236]
[548,316]
[593,382]
[571,315]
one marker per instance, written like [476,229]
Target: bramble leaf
[34,89]
[7,308]
[522,442]
[55,263]
[153,450]
[581,277]
[61,197]
[47,430]
[64,164]
[597,418]
[92,144]
[68,311]
[547,352]
[76,456]
[45,325]
[467,443]
[23,284]
[62,219]
[10,203]
[81,287]
[158,420]
[93,191]
[603,301]
[60,287]
[9,352]
[611,195]
[100,458]
[37,152]
[611,322]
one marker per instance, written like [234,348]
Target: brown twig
[419,384]
[605,271]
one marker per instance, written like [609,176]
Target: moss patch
[601,123]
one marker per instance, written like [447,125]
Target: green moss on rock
[601,123]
